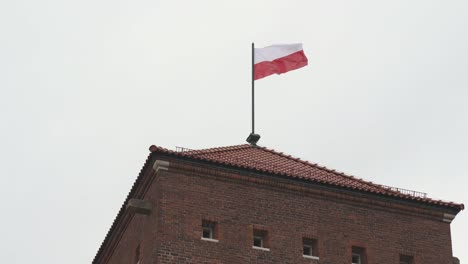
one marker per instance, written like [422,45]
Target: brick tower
[250,204]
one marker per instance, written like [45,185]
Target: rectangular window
[356,259]
[307,250]
[260,239]
[358,256]
[309,247]
[404,259]
[137,254]
[209,231]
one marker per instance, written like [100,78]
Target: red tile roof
[265,160]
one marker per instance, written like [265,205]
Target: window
[358,256]
[209,231]
[309,248]
[356,259]
[406,259]
[260,239]
[137,254]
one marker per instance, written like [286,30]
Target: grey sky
[87,86]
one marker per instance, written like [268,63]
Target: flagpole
[253,138]
[253,89]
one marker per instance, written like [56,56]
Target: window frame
[210,231]
[360,252]
[211,228]
[309,247]
[359,255]
[261,239]
[406,259]
[311,244]
[262,236]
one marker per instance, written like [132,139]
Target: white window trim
[311,249]
[311,257]
[360,258]
[209,239]
[261,248]
[262,242]
[211,230]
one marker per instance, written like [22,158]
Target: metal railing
[182,149]
[406,191]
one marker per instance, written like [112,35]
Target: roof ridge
[199,151]
[217,149]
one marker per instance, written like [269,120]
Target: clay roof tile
[263,159]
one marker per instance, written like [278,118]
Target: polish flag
[278,59]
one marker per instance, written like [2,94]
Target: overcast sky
[87,86]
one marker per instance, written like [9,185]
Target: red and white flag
[278,59]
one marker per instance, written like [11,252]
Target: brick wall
[140,232]
[182,198]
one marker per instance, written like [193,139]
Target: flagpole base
[253,139]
